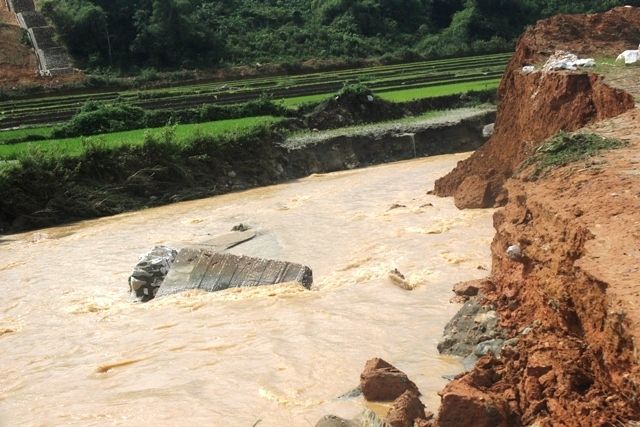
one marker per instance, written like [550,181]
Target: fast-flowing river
[75,352]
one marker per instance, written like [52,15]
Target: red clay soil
[572,298]
[577,289]
[535,106]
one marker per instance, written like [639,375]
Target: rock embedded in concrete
[202,268]
[382,382]
[150,272]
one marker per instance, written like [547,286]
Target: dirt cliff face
[535,106]
[570,301]
[571,298]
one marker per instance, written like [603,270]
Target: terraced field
[76,146]
[393,82]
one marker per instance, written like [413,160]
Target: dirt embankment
[535,106]
[571,297]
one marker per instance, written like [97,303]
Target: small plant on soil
[565,148]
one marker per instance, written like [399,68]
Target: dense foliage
[126,34]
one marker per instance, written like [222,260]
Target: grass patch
[565,148]
[24,134]
[77,146]
[433,91]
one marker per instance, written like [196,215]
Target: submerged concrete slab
[203,268]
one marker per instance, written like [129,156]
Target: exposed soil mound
[535,106]
[351,107]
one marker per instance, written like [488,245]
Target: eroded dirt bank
[535,106]
[119,183]
[570,298]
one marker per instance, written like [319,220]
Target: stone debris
[240,227]
[205,269]
[335,421]
[406,410]
[150,272]
[472,325]
[400,281]
[514,252]
[562,60]
[629,56]
[382,382]
[488,130]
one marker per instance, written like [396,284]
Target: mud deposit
[76,352]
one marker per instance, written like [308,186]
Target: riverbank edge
[109,182]
[562,278]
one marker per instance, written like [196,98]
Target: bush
[95,118]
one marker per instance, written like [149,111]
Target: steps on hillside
[53,59]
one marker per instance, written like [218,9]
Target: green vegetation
[437,78]
[72,147]
[25,134]
[434,91]
[133,35]
[565,148]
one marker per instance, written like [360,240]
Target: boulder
[382,382]
[406,410]
[466,406]
[469,288]
[472,193]
[205,269]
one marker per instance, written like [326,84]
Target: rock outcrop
[535,106]
[382,382]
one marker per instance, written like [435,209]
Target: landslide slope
[571,300]
[535,106]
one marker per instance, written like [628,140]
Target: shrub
[95,118]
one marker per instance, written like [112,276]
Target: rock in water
[150,271]
[202,268]
[382,382]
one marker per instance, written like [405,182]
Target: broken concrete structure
[202,268]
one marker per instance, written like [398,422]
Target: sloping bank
[568,294]
[42,190]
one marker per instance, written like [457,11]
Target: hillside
[169,34]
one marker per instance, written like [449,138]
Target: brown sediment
[571,298]
[535,106]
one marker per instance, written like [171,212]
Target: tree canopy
[169,34]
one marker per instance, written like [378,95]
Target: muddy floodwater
[75,352]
